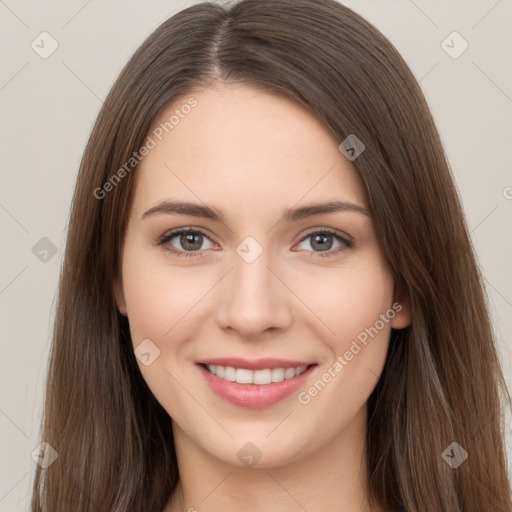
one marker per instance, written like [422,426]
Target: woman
[269,298]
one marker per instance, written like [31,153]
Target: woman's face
[262,283]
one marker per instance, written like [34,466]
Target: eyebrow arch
[289,215]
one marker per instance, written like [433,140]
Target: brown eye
[321,241]
[184,242]
[191,241]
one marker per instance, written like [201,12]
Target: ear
[402,308]
[119,296]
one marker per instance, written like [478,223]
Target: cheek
[350,303]
[150,302]
[349,300]
[158,300]
[157,297]
[351,306]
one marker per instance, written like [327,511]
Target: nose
[255,299]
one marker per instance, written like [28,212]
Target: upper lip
[255,364]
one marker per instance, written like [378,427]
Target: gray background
[49,106]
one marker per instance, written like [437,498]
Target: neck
[333,478]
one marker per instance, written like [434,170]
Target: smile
[260,377]
[268,381]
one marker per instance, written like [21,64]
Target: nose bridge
[255,299]
[252,278]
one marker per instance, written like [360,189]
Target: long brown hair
[442,381]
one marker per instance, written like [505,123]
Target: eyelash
[346,244]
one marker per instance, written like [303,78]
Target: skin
[251,155]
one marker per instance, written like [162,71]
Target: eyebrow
[289,215]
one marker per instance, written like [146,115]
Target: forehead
[242,147]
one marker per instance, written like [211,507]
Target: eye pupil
[188,239]
[322,246]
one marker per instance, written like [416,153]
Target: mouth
[258,377]
[255,384]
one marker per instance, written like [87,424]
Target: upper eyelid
[177,231]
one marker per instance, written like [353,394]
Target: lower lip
[255,395]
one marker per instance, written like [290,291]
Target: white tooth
[262,376]
[300,370]
[230,373]
[244,376]
[289,373]
[277,374]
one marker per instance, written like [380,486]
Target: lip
[256,364]
[255,396]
